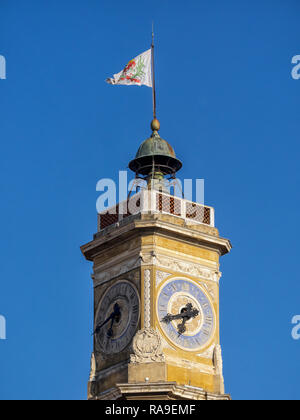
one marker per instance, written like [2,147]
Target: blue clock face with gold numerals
[173,298]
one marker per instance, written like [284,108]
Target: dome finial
[155,125]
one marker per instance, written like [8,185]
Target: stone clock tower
[156,291]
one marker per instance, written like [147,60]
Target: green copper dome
[155,145]
[155,155]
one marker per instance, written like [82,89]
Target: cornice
[169,390]
[153,225]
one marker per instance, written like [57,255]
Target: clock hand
[182,327]
[98,328]
[168,318]
[187,313]
[110,331]
[115,315]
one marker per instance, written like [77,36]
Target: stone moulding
[112,394]
[168,391]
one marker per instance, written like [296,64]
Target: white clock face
[192,332]
[118,331]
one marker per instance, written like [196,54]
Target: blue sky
[228,105]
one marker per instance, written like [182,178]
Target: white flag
[137,72]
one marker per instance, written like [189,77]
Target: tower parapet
[153,201]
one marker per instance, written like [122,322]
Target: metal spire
[153,74]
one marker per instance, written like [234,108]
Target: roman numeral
[174,287]
[135,308]
[162,308]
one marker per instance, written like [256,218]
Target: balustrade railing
[152,201]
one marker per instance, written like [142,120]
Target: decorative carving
[147,347]
[217,359]
[218,365]
[147,299]
[185,267]
[161,276]
[93,390]
[93,368]
[93,385]
[104,274]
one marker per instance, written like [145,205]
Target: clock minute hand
[168,318]
[115,314]
[98,328]
[110,332]
[185,315]
[181,327]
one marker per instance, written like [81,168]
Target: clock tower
[156,280]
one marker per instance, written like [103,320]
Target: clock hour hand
[115,316]
[110,331]
[181,327]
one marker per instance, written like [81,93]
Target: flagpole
[153,74]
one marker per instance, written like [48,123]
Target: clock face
[116,334]
[197,328]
